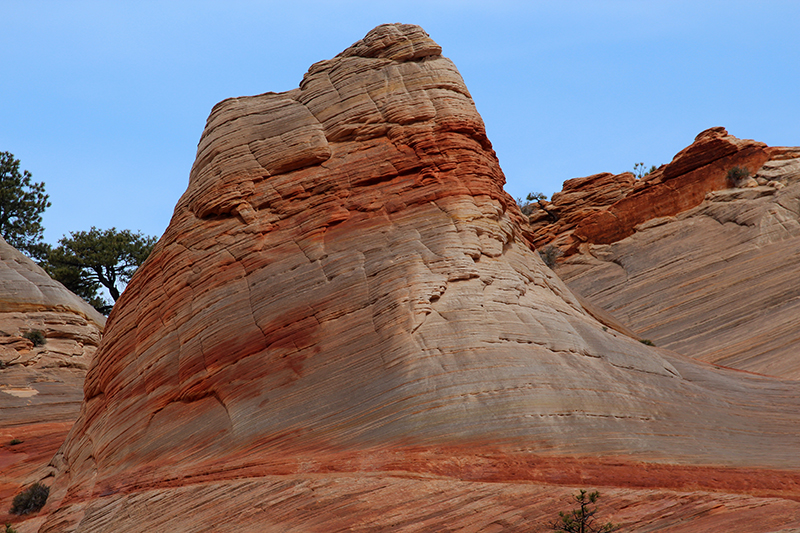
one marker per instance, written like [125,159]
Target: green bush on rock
[30,500]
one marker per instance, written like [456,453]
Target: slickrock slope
[345,328]
[41,387]
[716,281]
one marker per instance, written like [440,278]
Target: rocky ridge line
[606,208]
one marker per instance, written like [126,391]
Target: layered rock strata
[717,282]
[712,279]
[345,328]
[41,387]
[605,208]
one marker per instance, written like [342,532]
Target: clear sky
[105,101]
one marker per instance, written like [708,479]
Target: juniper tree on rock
[540,198]
[22,202]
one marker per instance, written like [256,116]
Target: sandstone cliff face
[714,279]
[345,328]
[41,387]
[717,282]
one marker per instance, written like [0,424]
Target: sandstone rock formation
[41,387]
[715,281]
[604,208]
[345,328]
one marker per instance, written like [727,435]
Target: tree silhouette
[88,259]
[21,205]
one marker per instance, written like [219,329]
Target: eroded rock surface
[345,327]
[604,208]
[717,282]
[714,280]
[41,387]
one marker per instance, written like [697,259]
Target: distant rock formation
[712,278]
[345,327]
[605,208]
[41,387]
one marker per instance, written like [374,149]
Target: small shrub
[10,529]
[550,255]
[30,500]
[36,337]
[737,175]
[648,342]
[640,171]
[527,207]
[14,442]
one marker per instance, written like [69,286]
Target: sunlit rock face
[717,282]
[41,386]
[713,278]
[345,293]
[605,208]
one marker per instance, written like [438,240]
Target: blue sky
[105,101]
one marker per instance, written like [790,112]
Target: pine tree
[88,259]
[581,519]
[21,205]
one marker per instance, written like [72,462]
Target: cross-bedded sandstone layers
[345,317]
[717,282]
[713,279]
[604,208]
[41,387]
